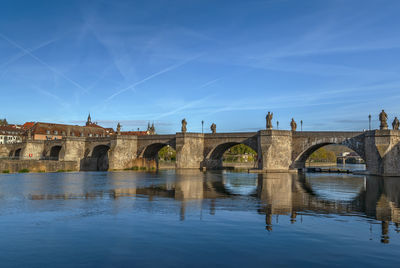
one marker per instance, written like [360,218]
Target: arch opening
[99,160]
[331,155]
[158,155]
[232,155]
[55,152]
[17,153]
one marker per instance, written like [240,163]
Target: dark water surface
[193,219]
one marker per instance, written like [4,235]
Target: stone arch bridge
[277,150]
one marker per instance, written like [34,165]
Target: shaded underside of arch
[17,153]
[151,151]
[55,152]
[302,157]
[100,151]
[219,150]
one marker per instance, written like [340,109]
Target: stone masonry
[278,150]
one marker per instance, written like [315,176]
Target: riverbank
[40,166]
[321,164]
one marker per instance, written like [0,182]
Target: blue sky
[329,63]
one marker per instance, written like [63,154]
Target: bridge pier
[274,150]
[123,152]
[32,150]
[189,150]
[382,151]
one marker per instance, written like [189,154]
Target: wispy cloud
[27,52]
[168,69]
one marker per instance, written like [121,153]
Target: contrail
[22,54]
[42,62]
[170,68]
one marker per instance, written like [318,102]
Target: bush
[6,171]
[142,168]
[24,170]
[61,170]
[135,168]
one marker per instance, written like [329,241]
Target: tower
[89,120]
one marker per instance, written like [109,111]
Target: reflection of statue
[396,124]
[118,128]
[383,118]
[269,120]
[213,128]
[184,123]
[293,125]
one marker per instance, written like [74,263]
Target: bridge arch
[17,153]
[151,151]
[55,152]
[149,157]
[301,158]
[100,157]
[214,158]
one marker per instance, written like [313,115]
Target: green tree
[322,155]
[167,153]
[240,153]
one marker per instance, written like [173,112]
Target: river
[198,219]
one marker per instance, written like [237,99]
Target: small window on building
[55,132]
[90,135]
[47,132]
[97,135]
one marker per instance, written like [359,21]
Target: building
[11,134]
[52,131]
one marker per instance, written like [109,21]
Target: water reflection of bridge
[270,194]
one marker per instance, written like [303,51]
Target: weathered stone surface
[123,152]
[37,165]
[32,150]
[189,150]
[274,150]
[278,150]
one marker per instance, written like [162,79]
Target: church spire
[89,120]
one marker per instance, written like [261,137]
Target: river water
[194,219]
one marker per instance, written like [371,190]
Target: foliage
[240,153]
[241,149]
[167,153]
[132,168]
[6,171]
[322,155]
[24,170]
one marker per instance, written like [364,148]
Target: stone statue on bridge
[213,128]
[293,125]
[184,123]
[396,124]
[269,120]
[118,128]
[383,118]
